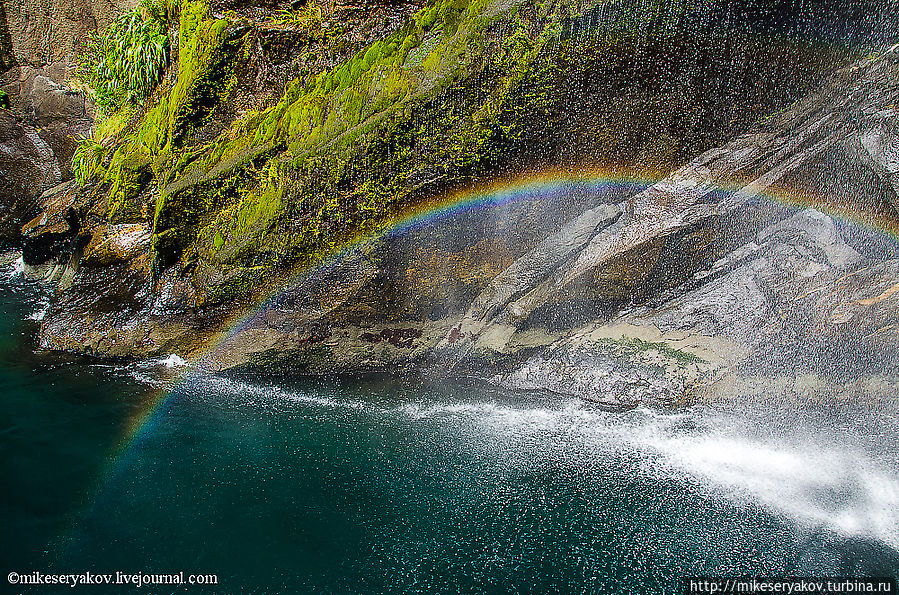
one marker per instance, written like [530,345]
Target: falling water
[284,456]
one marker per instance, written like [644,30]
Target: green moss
[124,204]
[165,124]
[113,124]
[87,160]
[371,84]
[235,285]
[307,18]
[635,345]
[199,68]
[156,149]
[239,228]
[444,99]
[340,153]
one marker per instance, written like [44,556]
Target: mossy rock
[465,89]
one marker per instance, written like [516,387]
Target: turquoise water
[377,486]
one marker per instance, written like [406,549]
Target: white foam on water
[161,372]
[41,309]
[275,397]
[12,268]
[17,268]
[144,378]
[173,360]
[811,479]
[814,484]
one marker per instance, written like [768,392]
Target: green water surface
[376,486]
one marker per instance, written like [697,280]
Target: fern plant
[125,62]
[87,160]
[308,18]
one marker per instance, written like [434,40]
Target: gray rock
[598,375]
[28,167]
[721,183]
[534,267]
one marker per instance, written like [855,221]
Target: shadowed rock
[848,112]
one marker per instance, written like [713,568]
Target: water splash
[12,266]
[173,360]
[17,267]
[42,306]
[815,483]
[817,477]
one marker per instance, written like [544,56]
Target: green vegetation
[636,345]
[242,187]
[4,99]
[348,100]
[265,194]
[114,123]
[124,63]
[308,18]
[87,160]
[358,125]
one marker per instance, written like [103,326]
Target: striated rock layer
[269,147]
[711,271]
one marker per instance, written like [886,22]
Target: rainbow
[545,185]
[538,186]
[497,193]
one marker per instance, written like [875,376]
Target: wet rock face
[243,185]
[398,337]
[639,296]
[50,33]
[38,136]
[796,145]
[881,143]
[29,168]
[722,276]
[613,375]
[39,43]
[805,294]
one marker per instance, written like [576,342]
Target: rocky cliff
[42,117]
[715,275]
[281,134]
